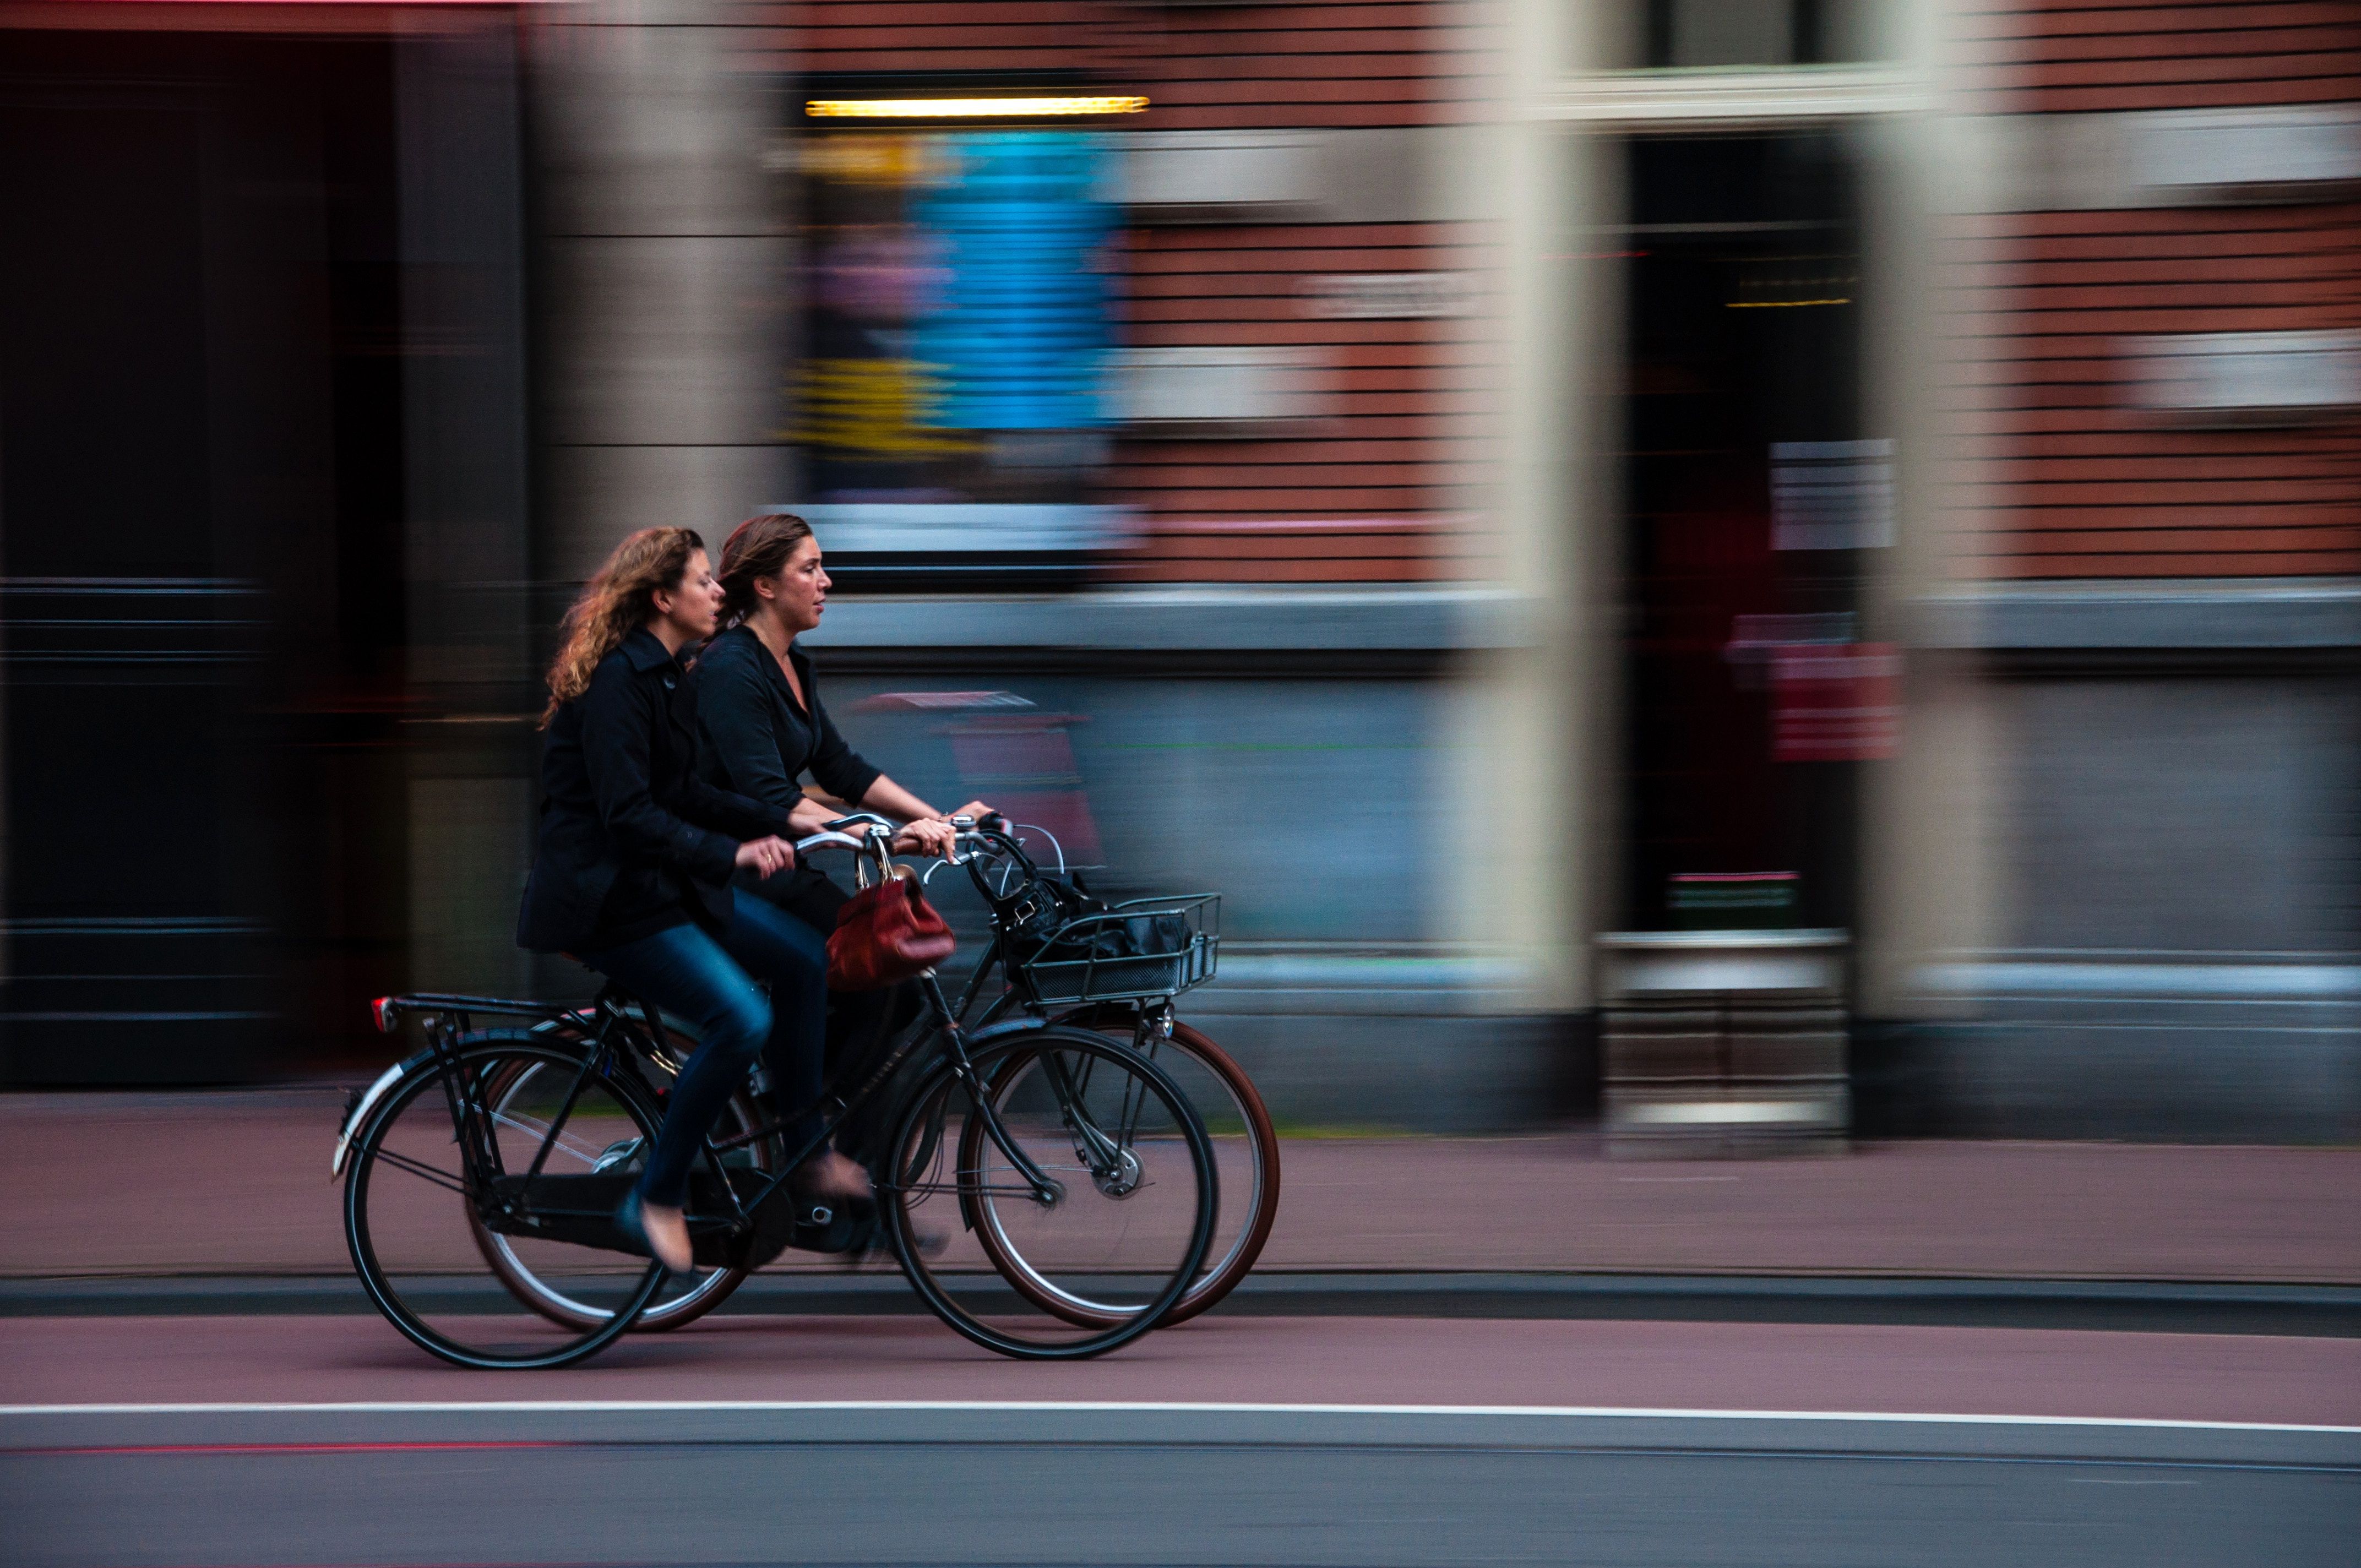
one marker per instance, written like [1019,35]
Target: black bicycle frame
[449,1019]
[944,1025]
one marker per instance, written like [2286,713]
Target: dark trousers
[712,982]
[858,1021]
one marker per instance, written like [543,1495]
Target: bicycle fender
[994,1034]
[357,1109]
[367,1102]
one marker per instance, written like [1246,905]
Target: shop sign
[1835,703]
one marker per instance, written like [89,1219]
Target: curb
[2148,1307]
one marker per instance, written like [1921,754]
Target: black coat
[632,837]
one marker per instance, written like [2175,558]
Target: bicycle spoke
[418,1168]
[557,1122]
[540,1279]
[580,1151]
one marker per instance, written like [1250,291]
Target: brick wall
[2083,482]
[1350,494]
[2058,56]
[1354,498]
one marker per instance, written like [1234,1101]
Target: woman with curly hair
[633,868]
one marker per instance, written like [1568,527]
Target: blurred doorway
[1754,485]
[209,478]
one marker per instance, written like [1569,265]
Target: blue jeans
[685,970]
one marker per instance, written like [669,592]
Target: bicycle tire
[1260,1210]
[914,1145]
[477,1053]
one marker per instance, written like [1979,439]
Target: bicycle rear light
[382,1011]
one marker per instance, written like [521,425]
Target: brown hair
[758,547]
[619,597]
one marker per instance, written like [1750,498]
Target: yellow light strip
[1781,304]
[970,108]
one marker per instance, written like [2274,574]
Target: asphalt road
[1159,1485]
[1365,1440]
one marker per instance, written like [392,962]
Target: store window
[1760,495]
[1695,33]
[951,405]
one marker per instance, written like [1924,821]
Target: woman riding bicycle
[632,874]
[762,728]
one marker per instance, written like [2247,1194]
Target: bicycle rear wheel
[414,1202]
[682,1298]
[1122,1216]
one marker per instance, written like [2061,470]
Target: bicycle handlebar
[868,819]
[866,833]
[825,841]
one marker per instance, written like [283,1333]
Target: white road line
[1159,1407]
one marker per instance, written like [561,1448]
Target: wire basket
[1141,950]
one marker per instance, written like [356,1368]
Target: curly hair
[621,596]
[758,547]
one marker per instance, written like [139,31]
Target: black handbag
[1052,903]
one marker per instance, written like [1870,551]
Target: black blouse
[757,740]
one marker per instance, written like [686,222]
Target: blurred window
[953,400]
[957,330]
[1756,493]
[1703,33]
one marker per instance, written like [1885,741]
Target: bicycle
[1071,1148]
[1131,999]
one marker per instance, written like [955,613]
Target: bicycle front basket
[1142,949]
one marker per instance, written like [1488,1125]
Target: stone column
[661,258]
[663,270]
[464,485]
[1544,712]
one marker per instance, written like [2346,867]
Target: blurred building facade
[1465,479]
[263,513]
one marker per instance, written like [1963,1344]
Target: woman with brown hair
[632,869]
[764,726]
[763,729]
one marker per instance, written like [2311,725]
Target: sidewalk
[237,1184]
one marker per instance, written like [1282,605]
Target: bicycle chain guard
[579,1211]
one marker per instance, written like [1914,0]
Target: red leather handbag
[884,935]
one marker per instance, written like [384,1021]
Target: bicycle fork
[1047,1190]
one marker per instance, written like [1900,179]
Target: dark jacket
[632,839]
[757,740]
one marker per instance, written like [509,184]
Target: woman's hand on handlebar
[767,857]
[938,835]
[927,835]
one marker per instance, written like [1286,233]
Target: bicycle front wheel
[1246,1163]
[539,1118]
[1085,1165]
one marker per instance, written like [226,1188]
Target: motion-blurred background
[1757,569]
